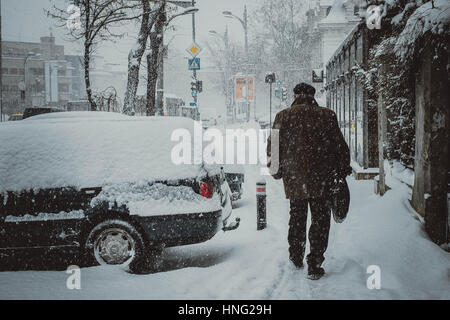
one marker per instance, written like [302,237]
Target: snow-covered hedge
[433,17]
[407,27]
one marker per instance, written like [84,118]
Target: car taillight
[206,189]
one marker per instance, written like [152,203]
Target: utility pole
[247,82]
[270,78]
[1,72]
[270,107]
[244,22]
[194,72]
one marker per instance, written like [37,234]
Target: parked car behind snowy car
[106,185]
[235,175]
[34,111]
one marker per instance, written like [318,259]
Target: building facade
[328,23]
[362,119]
[38,74]
[348,98]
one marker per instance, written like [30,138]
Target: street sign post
[270,78]
[194,64]
[317,75]
[194,49]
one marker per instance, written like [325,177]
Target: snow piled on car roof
[74,115]
[90,149]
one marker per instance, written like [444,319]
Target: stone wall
[432,155]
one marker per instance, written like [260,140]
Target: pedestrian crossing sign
[194,64]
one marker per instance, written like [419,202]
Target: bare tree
[228,58]
[284,40]
[154,57]
[98,19]
[281,23]
[150,12]
[107,100]
[278,36]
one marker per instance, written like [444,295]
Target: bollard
[261,222]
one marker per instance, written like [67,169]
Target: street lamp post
[1,67]
[244,23]
[226,70]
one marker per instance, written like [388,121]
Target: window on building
[37,71]
[13,71]
[4,70]
[63,87]
[356,10]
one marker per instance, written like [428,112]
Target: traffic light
[283,94]
[270,78]
[196,87]
[277,93]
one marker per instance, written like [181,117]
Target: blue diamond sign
[194,64]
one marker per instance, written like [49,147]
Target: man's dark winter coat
[312,150]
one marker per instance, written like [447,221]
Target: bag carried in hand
[276,175]
[340,200]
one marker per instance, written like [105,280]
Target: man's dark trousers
[318,231]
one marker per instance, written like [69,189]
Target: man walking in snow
[312,153]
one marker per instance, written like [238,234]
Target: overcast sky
[25,20]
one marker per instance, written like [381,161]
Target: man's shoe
[315,273]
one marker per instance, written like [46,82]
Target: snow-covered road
[250,264]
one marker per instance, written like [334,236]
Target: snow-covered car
[107,185]
[15,117]
[208,122]
[235,176]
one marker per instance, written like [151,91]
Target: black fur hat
[304,88]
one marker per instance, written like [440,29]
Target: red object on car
[206,189]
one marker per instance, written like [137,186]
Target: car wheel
[117,242]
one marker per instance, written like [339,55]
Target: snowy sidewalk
[250,264]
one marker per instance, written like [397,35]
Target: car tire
[117,242]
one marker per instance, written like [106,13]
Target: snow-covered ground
[250,264]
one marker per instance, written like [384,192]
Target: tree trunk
[87,56]
[156,41]
[152,74]
[134,59]
[87,80]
